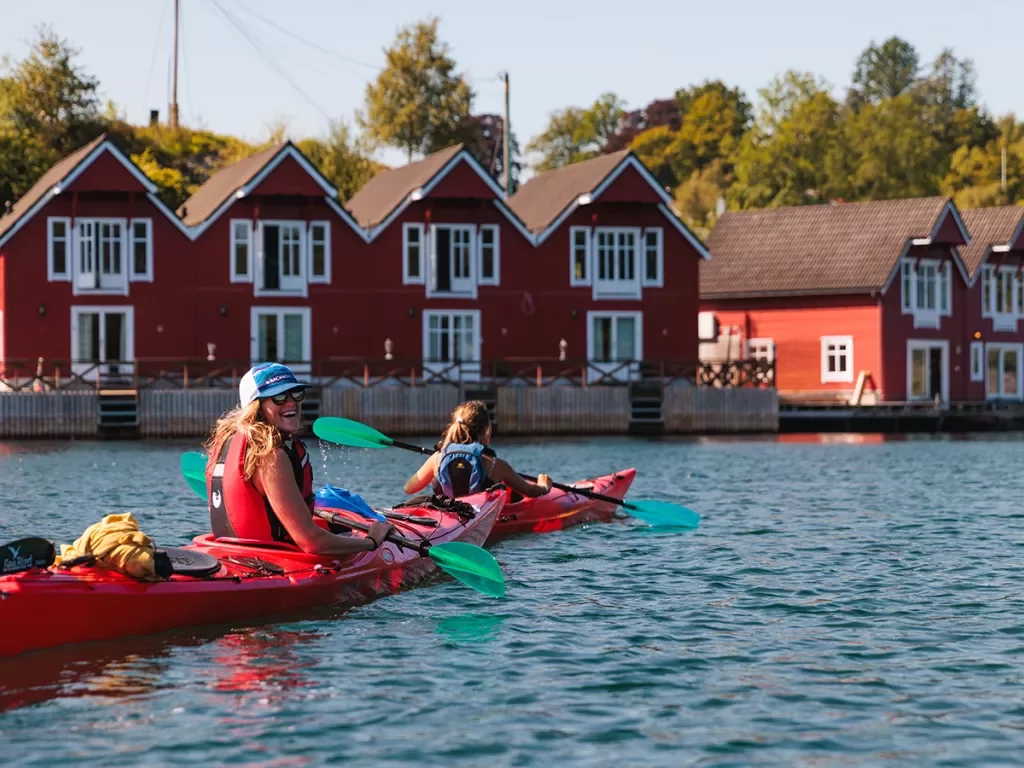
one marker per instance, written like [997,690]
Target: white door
[614,345]
[280,267]
[1003,372]
[103,339]
[111,250]
[452,259]
[451,345]
[617,273]
[928,370]
[282,335]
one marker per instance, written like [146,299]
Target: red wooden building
[995,306]
[614,272]
[94,267]
[859,301]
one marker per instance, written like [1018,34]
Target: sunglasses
[298,395]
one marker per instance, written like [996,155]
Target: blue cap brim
[280,389]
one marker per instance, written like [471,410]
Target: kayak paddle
[472,565]
[334,429]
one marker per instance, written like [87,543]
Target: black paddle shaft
[333,517]
[567,488]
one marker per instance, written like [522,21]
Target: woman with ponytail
[259,479]
[464,464]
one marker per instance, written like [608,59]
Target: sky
[304,62]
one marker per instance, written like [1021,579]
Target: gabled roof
[239,179]
[382,194]
[992,229]
[820,249]
[549,198]
[383,198]
[63,173]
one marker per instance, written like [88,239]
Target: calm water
[841,604]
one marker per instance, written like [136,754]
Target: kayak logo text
[15,562]
[216,499]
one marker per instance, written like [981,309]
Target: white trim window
[977,361]
[927,369]
[282,334]
[103,337]
[836,359]
[452,261]
[241,250]
[1003,371]
[615,338]
[579,256]
[319,252]
[58,249]
[654,258]
[617,268]
[927,291]
[140,249]
[281,262]
[452,343]
[413,244]
[101,256]
[1001,295]
[761,349]
[489,254]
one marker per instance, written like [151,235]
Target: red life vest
[237,509]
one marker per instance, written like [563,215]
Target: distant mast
[174,81]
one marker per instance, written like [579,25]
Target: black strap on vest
[220,523]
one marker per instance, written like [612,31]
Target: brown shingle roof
[849,247]
[47,181]
[543,198]
[386,191]
[988,227]
[219,187]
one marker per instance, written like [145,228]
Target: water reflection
[470,628]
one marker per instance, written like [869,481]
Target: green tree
[653,147]
[733,98]
[418,102]
[574,134]
[697,197]
[975,174]
[340,160]
[794,151]
[884,72]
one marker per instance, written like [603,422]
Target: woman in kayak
[464,464]
[259,478]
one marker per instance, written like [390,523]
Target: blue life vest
[461,471]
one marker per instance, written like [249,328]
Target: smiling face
[286,417]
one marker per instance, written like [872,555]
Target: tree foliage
[883,72]
[574,134]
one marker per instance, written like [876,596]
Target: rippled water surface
[843,603]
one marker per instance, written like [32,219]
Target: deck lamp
[42,310]
[977,334]
[412,311]
[223,310]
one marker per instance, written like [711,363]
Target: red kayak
[557,509]
[45,608]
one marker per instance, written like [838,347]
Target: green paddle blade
[663,513]
[193,467]
[473,566]
[334,429]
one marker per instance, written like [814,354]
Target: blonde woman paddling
[259,479]
[465,464]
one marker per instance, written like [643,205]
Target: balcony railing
[42,374]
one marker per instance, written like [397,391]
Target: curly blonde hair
[261,438]
[468,424]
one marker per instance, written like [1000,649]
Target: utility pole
[174,87]
[1003,169]
[506,135]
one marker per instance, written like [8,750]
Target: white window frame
[927,345]
[250,234]
[408,279]
[302,281]
[756,344]
[118,290]
[147,276]
[81,368]
[659,280]
[279,312]
[977,361]
[1001,321]
[495,279]
[1002,348]
[841,377]
[69,256]
[467,370]
[596,368]
[588,257]
[617,289]
[924,317]
[471,282]
[325,278]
